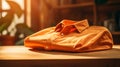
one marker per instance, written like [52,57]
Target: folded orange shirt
[73,36]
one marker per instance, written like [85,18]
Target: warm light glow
[16,20]
[15,50]
[28,22]
[5,5]
[4,14]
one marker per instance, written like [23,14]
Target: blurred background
[20,18]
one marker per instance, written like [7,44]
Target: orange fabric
[73,36]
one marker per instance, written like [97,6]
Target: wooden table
[20,56]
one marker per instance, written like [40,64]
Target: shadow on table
[102,54]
